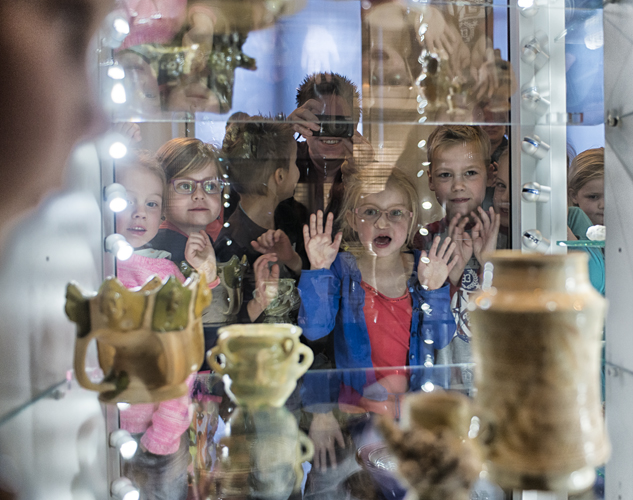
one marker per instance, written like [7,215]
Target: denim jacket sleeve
[320,293]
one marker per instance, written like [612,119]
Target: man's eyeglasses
[371,214]
[189,186]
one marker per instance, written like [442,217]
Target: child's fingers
[453,262]
[257,247]
[306,234]
[337,240]
[485,218]
[319,222]
[313,225]
[453,223]
[449,252]
[274,271]
[329,221]
[436,243]
[445,246]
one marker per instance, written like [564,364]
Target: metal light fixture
[123,441]
[123,489]
[115,197]
[115,29]
[535,147]
[534,240]
[533,100]
[119,246]
[535,192]
[533,50]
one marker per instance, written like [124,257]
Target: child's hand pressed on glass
[277,242]
[200,254]
[325,432]
[463,247]
[320,247]
[266,279]
[485,232]
[435,266]
[266,285]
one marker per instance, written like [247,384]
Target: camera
[335,126]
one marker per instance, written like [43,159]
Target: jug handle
[306,442]
[308,358]
[212,355]
[81,348]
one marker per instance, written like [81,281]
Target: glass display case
[235,128]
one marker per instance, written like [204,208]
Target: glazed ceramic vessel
[537,329]
[149,340]
[261,455]
[262,362]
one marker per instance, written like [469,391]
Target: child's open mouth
[382,241]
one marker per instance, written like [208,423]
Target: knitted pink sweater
[162,423]
[138,269]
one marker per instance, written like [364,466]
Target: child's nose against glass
[382,220]
[198,191]
[458,182]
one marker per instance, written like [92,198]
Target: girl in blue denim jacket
[386,305]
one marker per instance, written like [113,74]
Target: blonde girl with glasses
[385,304]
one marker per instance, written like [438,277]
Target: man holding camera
[327,117]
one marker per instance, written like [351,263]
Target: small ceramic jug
[537,327]
[149,340]
[261,455]
[262,362]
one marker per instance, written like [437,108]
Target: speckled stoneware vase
[537,327]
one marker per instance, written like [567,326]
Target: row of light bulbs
[534,52]
[122,488]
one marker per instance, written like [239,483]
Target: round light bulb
[119,246]
[123,441]
[122,489]
[124,252]
[116,72]
[121,26]
[427,205]
[117,150]
[116,197]
[118,205]
[118,93]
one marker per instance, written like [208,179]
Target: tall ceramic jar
[537,327]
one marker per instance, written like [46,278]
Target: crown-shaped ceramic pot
[149,339]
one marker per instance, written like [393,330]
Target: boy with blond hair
[459,157]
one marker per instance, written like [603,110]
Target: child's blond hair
[585,167]
[143,160]
[447,136]
[358,186]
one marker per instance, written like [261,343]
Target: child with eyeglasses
[387,305]
[144,182]
[193,201]
[160,467]
[193,210]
